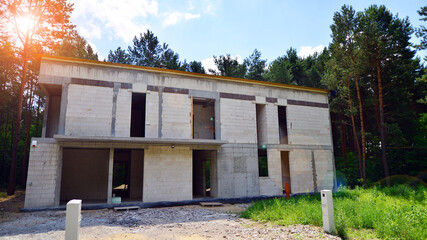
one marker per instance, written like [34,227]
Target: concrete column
[110,176]
[72,219]
[63,110]
[58,177]
[46,112]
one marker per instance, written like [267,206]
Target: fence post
[72,219]
[327,211]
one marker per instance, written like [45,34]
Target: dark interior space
[203,118]
[84,175]
[201,173]
[137,125]
[283,129]
[261,123]
[286,173]
[262,163]
[128,170]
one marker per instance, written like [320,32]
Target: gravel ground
[187,222]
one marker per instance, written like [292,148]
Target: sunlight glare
[25,23]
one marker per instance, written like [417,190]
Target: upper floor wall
[98,99]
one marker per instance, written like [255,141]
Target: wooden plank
[211,204]
[127,208]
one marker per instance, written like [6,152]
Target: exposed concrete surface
[190,222]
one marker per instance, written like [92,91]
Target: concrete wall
[308,125]
[89,110]
[167,174]
[268,187]
[123,113]
[301,171]
[176,110]
[237,170]
[238,121]
[42,174]
[84,174]
[152,115]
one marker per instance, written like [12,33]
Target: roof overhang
[134,142]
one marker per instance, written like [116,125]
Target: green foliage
[255,66]
[228,66]
[396,212]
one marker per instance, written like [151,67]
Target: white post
[110,176]
[72,219]
[327,211]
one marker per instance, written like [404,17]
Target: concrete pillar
[110,176]
[72,219]
[327,211]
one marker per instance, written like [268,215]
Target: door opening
[286,173]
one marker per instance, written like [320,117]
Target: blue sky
[197,30]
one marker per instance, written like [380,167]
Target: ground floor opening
[286,173]
[204,173]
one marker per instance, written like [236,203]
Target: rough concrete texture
[237,170]
[238,121]
[176,110]
[123,113]
[167,174]
[89,111]
[308,125]
[42,174]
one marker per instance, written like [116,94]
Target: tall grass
[395,212]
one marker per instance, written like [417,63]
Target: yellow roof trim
[181,73]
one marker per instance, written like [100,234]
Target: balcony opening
[283,129]
[203,118]
[137,125]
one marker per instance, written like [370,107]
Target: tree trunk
[17,126]
[27,137]
[381,108]
[356,141]
[343,140]
[362,123]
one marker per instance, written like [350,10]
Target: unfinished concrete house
[148,134]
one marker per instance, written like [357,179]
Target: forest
[378,87]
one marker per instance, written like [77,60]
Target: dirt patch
[10,205]
[188,222]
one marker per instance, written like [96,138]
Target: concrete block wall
[274,164]
[268,187]
[237,170]
[272,123]
[167,174]
[308,125]
[324,169]
[152,115]
[238,121]
[176,110]
[123,113]
[42,174]
[301,171]
[89,110]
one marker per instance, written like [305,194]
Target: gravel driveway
[187,222]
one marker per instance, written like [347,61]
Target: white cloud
[95,49]
[175,17]
[122,18]
[308,50]
[209,63]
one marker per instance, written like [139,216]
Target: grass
[396,212]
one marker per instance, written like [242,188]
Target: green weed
[395,212]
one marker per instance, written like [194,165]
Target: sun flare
[25,23]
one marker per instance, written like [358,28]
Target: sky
[199,29]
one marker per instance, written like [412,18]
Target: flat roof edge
[181,73]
